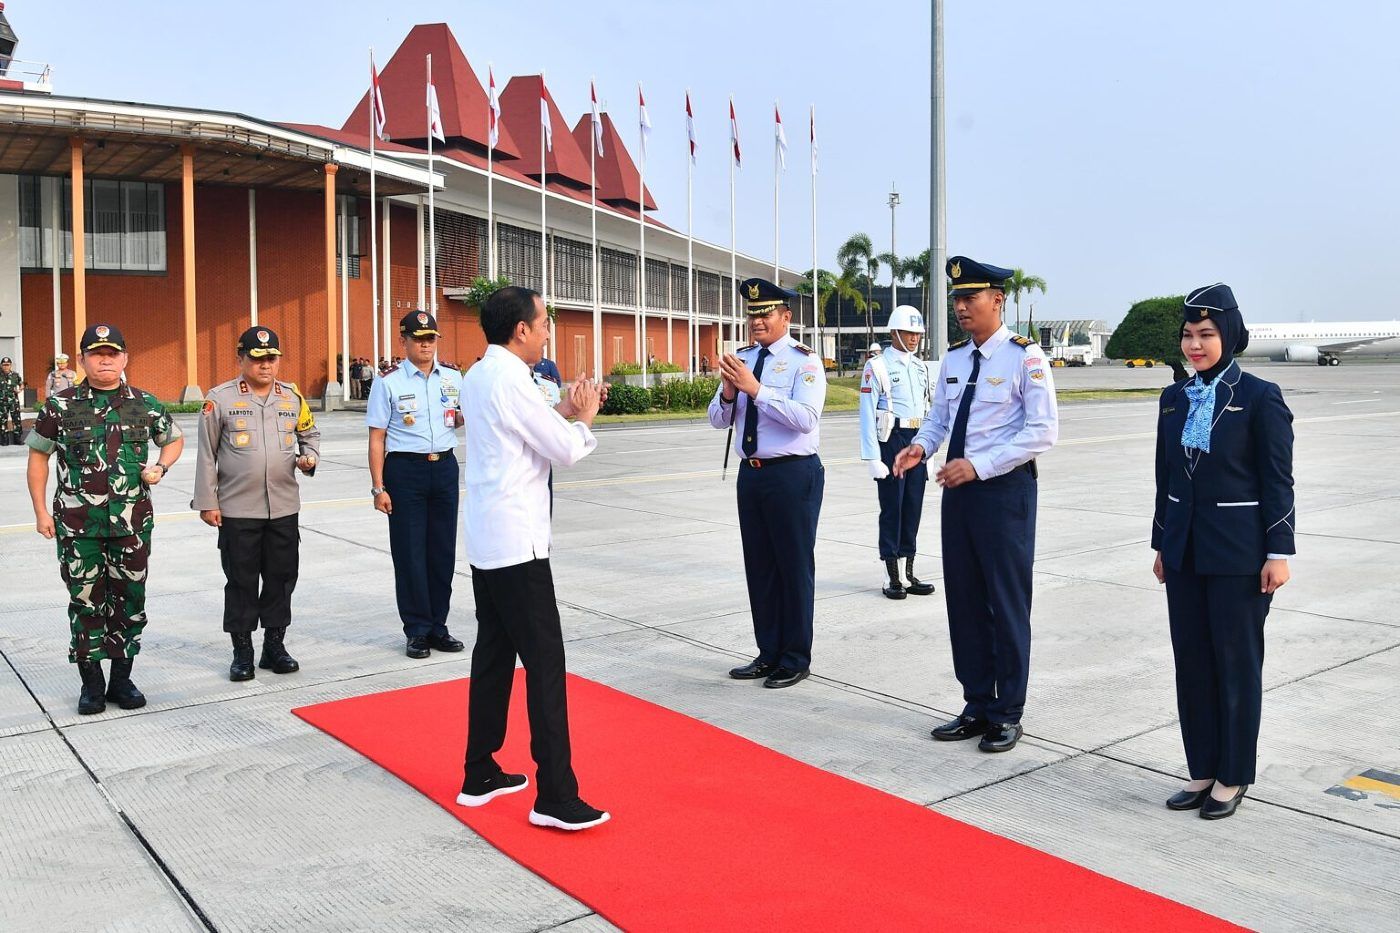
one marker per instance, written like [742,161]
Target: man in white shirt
[515,436]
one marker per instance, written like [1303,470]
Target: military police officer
[895,394]
[11,402]
[61,378]
[413,415]
[102,513]
[994,402]
[255,432]
[773,393]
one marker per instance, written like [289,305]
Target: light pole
[938,214]
[894,257]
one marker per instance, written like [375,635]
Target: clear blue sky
[1118,150]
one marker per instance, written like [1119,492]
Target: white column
[345,300]
[253,257]
[422,288]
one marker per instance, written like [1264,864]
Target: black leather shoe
[1188,799]
[964,727]
[92,699]
[120,689]
[1212,809]
[754,670]
[784,677]
[417,647]
[444,642]
[916,586]
[1001,737]
[242,666]
[274,653]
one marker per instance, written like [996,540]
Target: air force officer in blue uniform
[995,404]
[1223,530]
[772,394]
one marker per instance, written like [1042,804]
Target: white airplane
[1323,342]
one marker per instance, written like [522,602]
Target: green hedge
[675,395]
[627,400]
[629,368]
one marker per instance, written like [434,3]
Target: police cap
[763,296]
[259,342]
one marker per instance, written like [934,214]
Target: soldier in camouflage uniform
[254,434]
[11,400]
[102,515]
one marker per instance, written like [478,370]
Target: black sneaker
[573,815]
[477,791]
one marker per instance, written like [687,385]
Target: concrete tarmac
[215,808]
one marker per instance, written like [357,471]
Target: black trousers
[253,550]
[901,500]
[1217,626]
[988,549]
[423,539]
[516,615]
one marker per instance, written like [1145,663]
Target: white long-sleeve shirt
[513,436]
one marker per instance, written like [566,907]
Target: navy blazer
[1234,504]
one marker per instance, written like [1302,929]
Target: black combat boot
[94,686]
[120,690]
[274,653]
[916,587]
[242,666]
[896,589]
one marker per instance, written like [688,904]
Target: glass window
[124,224]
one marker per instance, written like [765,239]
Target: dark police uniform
[781,480]
[418,414]
[1219,514]
[995,404]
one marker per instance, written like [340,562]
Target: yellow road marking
[1379,787]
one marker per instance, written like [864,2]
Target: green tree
[916,268]
[1150,329]
[826,284]
[1022,284]
[857,255]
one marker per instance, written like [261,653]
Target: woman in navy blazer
[1223,531]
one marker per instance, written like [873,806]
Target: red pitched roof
[403,82]
[619,182]
[520,112]
[350,138]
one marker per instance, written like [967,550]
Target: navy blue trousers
[988,549]
[901,500]
[422,539]
[779,504]
[1217,625]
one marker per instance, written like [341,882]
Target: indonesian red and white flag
[690,127]
[780,136]
[813,138]
[597,120]
[643,121]
[734,132]
[434,115]
[545,122]
[376,101]
[493,112]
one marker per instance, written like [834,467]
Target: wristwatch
[375,490]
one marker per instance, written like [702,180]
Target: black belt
[903,423]
[756,463]
[431,458]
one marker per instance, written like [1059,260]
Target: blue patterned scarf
[1196,432]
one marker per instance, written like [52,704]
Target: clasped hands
[583,400]
[735,377]
[951,475]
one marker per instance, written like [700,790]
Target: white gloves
[877,468]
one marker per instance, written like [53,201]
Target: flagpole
[777,179]
[544,234]
[692,331]
[733,244]
[816,290]
[373,229]
[642,233]
[593,221]
[432,213]
[490,179]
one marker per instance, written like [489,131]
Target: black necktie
[957,443]
[750,440]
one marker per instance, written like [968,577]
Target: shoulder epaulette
[749,347]
[960,344]
[804,348]
[1022,341]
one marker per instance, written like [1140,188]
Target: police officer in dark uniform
[995,404]
[772,393]
[1223,529]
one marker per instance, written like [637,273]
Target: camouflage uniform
[102,510]
[11,398]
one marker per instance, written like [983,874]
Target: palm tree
[857,254]
[1021,284]
[916,268]
[826,282]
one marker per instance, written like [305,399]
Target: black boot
[274,653]
[916,587]
[896,589]
[120,690]
[242,666]
[91,699]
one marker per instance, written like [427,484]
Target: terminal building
[182,226]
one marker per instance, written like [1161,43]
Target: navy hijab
[1217,303]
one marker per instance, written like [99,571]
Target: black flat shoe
[417,648]
[964,727]
[444,642]
[784,677]
[1189,799]
[1212,809]
[1001,737]
[754,670]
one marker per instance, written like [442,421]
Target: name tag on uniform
[951,379]
[1168,411]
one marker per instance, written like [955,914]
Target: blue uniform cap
[1217,303]
[763,296]
[968,276]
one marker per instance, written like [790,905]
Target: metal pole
[938,217]
[894,271]
[432,212]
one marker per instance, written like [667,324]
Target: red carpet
[712,831]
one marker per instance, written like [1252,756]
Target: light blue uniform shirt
[430,401]
[789,402]
[1013,417]
[909,396]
